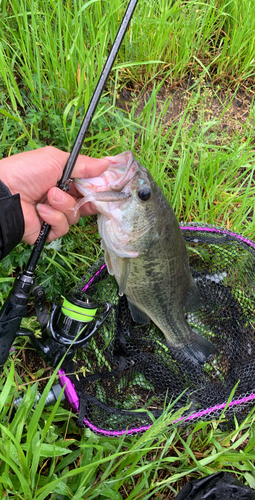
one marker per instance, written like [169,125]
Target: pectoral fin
[108,261]
[124,274]
[137,315]
[118,267]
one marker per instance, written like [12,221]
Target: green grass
[39,460]
[51,55]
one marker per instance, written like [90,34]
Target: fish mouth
[114,184]
[120,183]
[122,169]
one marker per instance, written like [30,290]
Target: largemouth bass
[144,249]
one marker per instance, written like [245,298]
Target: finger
[86,167]
[57,220]
[65,203]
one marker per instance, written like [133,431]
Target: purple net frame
[71,394]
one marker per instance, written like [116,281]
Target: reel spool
[76,312]
[78,315]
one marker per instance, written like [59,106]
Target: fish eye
[144,193]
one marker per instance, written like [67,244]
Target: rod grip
[14,309]
[8,329]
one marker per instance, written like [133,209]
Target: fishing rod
[78,316]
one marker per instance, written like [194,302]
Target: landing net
[128,367]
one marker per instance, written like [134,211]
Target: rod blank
[64,181]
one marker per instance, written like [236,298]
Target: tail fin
[199,349]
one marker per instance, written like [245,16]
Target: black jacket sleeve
[11,220]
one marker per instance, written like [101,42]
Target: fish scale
[144,249]
[158,281]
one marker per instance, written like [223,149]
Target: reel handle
[56,343]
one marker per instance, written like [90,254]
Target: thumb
[89,167]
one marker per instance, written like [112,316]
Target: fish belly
[157,288]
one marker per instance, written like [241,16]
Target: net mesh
[128,366]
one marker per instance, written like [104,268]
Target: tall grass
[64,45]
[51,53]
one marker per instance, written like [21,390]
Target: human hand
[35,174]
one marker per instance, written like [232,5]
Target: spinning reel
[70,325]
